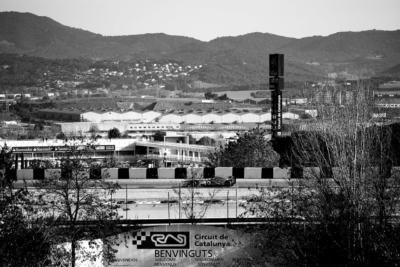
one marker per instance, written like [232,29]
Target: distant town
[154,92]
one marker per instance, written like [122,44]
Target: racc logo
[164,240]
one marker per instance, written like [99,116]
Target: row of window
[389,105]
[165,127]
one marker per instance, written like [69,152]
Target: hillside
[241,59]
[392,71]
[41,36]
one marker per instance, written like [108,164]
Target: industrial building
[124,150]
[149,129]
[387,100]
[187,116]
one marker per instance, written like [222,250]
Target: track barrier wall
[188,173]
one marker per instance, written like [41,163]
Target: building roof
[387,92]
[390,85]
[119,144]
[388,101]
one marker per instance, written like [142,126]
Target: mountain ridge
[227,59]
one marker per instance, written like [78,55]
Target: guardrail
[211,221]
[147,222]
[186,173]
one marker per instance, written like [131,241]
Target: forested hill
[239,59]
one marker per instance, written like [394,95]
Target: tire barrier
[38,174]
[181,173]
[311,172]
[252,173]
[110,173]
[188,173]
[123,173]
[151,173]
[195,172]
[166,173]
[238,173]
[223,171]
[95,174]
[281,173]
[267,173]
[209,172]
[137,173]
[296,172]
[25,174]
[52,173]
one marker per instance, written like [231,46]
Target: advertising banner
[184,245]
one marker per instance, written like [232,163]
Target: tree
[93,130]
[114,133]
[126,134]
[6,169]
[159,136]
[209,95]
[39,126]
[206,141]
[77,195]
[61,136]
[223,97]
[21,243]
[190,195]
[341,212]
[192,140]
[355,153]
[251,149]
[305,116]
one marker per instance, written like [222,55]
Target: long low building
[140,129]
[85,128]
[188,116]
[126,150]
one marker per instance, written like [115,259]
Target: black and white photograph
[212,133]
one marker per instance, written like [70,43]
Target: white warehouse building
[176,117]
[171,118]
[147,116]
[231,117]
[192,118]
[211,118]
[250,117]
[290,115]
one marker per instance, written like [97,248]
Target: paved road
[174,183]
[163,199]
[176,211]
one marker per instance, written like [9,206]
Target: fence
[174,203]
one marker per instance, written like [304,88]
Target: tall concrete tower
[276,85]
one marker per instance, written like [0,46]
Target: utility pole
[276,84]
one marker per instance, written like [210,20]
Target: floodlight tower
[276,85]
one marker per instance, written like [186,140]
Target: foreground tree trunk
[73,252]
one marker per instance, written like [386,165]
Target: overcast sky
[208,19]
